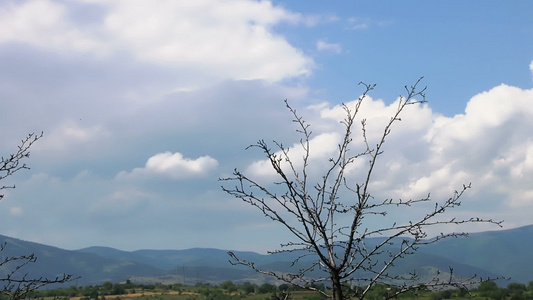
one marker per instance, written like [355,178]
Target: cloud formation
[116,83]
[211,40]
[234,33]
[325,46]
[490,146]
[173,165]
[45,23]
[321,147]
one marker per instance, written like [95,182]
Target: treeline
[114,289]
[513,291]
[228,290]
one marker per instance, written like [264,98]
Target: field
[230,291]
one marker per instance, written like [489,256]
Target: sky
[144,105]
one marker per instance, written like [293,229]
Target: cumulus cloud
[212,39]
[376,113]
[44,23]
[321,148]
[324,46]
[173,165]
[491,141]
[490,146]
[230,38]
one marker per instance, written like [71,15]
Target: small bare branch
[13,163]
[14,283]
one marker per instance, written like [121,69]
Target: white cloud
[489,146]
[43,23]
[324,46]
[321,148]
[230,39]
[376,113]
[208,39]
[173,165]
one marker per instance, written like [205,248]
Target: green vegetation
[229,290]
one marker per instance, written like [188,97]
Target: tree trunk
[336,286]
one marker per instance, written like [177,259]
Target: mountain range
[504,253]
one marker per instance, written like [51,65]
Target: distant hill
[494,253]
[506,252]
[91,268]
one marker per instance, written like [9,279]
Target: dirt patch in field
[141,294]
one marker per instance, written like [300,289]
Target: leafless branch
[14,162]
[14,283]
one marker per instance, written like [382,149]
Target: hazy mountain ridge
[487,254]
[504,252]
[53,261]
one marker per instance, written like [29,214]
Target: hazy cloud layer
[325,46]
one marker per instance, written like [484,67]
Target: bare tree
[327,217]
[15,283]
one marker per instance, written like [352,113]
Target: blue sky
[145,104]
